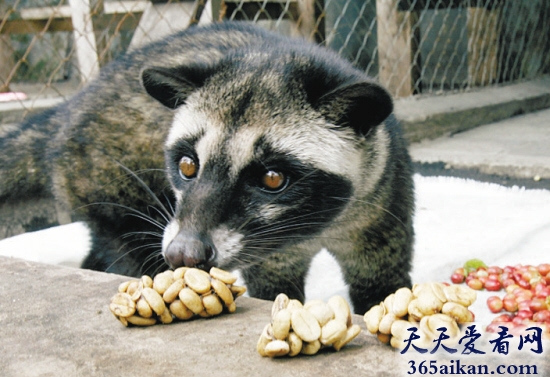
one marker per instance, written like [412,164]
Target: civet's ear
[172,86]
[360,105]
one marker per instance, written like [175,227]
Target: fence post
[6,63]
[311,20]
[6,55]
[84,38]
[398,55]
[483,27]
[163,17]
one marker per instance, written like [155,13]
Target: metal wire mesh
[53,47]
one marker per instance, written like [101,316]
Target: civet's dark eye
[188,167]
[274,181]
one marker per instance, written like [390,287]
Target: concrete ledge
[514,147]
[13,112]
[55,321]
[432,117]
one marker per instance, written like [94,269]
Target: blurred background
[51,48]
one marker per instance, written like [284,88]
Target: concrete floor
[516,147]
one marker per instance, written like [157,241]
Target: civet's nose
[190,250]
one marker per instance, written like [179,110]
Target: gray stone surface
[435,116]
[518,146]
[55,321]
[13,112]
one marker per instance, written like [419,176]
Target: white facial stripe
[319,146]
[227,243]
[269,212]
[366,181]
[170,232]
[382,149]
[187,123]
[242,148]
[210,144]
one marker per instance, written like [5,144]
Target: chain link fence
[51,48]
